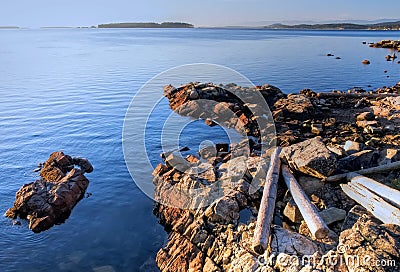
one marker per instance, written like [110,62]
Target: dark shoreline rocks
[389,44]
[218,237]
[50,199]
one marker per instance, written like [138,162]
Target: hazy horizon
[214,13]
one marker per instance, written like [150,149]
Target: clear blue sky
[31,13]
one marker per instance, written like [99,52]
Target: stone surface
[332,215]
[296,106]
[366,116]
[50,200]
[292,212]
[311,157]
[310,185]
[372,244]
[352,147]
[359,160]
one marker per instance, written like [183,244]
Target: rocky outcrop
[50,200]
[214,196]
[389,44]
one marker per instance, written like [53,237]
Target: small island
[147,25]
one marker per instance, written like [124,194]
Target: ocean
[69,90]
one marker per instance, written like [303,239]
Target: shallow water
[69,90]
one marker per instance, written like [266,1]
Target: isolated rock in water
[50,200]
[311,157]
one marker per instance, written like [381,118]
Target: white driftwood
[378,188]
[315,223]
[267,206]
[373,170]
[381,209]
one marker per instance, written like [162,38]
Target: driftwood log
[376,205]
[378,188]
[315,223]
[267,206]
[367,171]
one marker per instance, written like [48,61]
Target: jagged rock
[235,169]
[179,255]
[352,216]
[366,116]
[285,241]
[84,164]
[295,106]
[50,200]
[56,167]
[160,170]
[373,244]
[359,160]
[351,147]
[245,262]
[365,124]
[310,185]
[177,162]
[317,129]
[203,171]
[223,210]
[332,215]
[389,155]
[311,157]
[292,212]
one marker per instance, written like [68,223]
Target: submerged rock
[50,200]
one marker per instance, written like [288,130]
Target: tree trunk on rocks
[267,206]
[315,223]
[372,170]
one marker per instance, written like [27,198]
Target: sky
[31,13]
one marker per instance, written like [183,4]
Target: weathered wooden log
[355,95]
[315,223]
[267,206]
[376,205]
[367,171]
[378,188]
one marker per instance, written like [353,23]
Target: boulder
[50,200]
[372,244]
[292,212]
[179,255]
[366,116]
[351,147]
[359,160]
[332,215]
[295,106]
[311,157]
[223,210]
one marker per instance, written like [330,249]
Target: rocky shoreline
[322,134]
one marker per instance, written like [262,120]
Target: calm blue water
[69,90]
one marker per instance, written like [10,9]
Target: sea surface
[69,89]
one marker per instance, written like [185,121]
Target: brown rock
[311,157]
[180,255]
[366,116]
[295,106]
[45,202]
